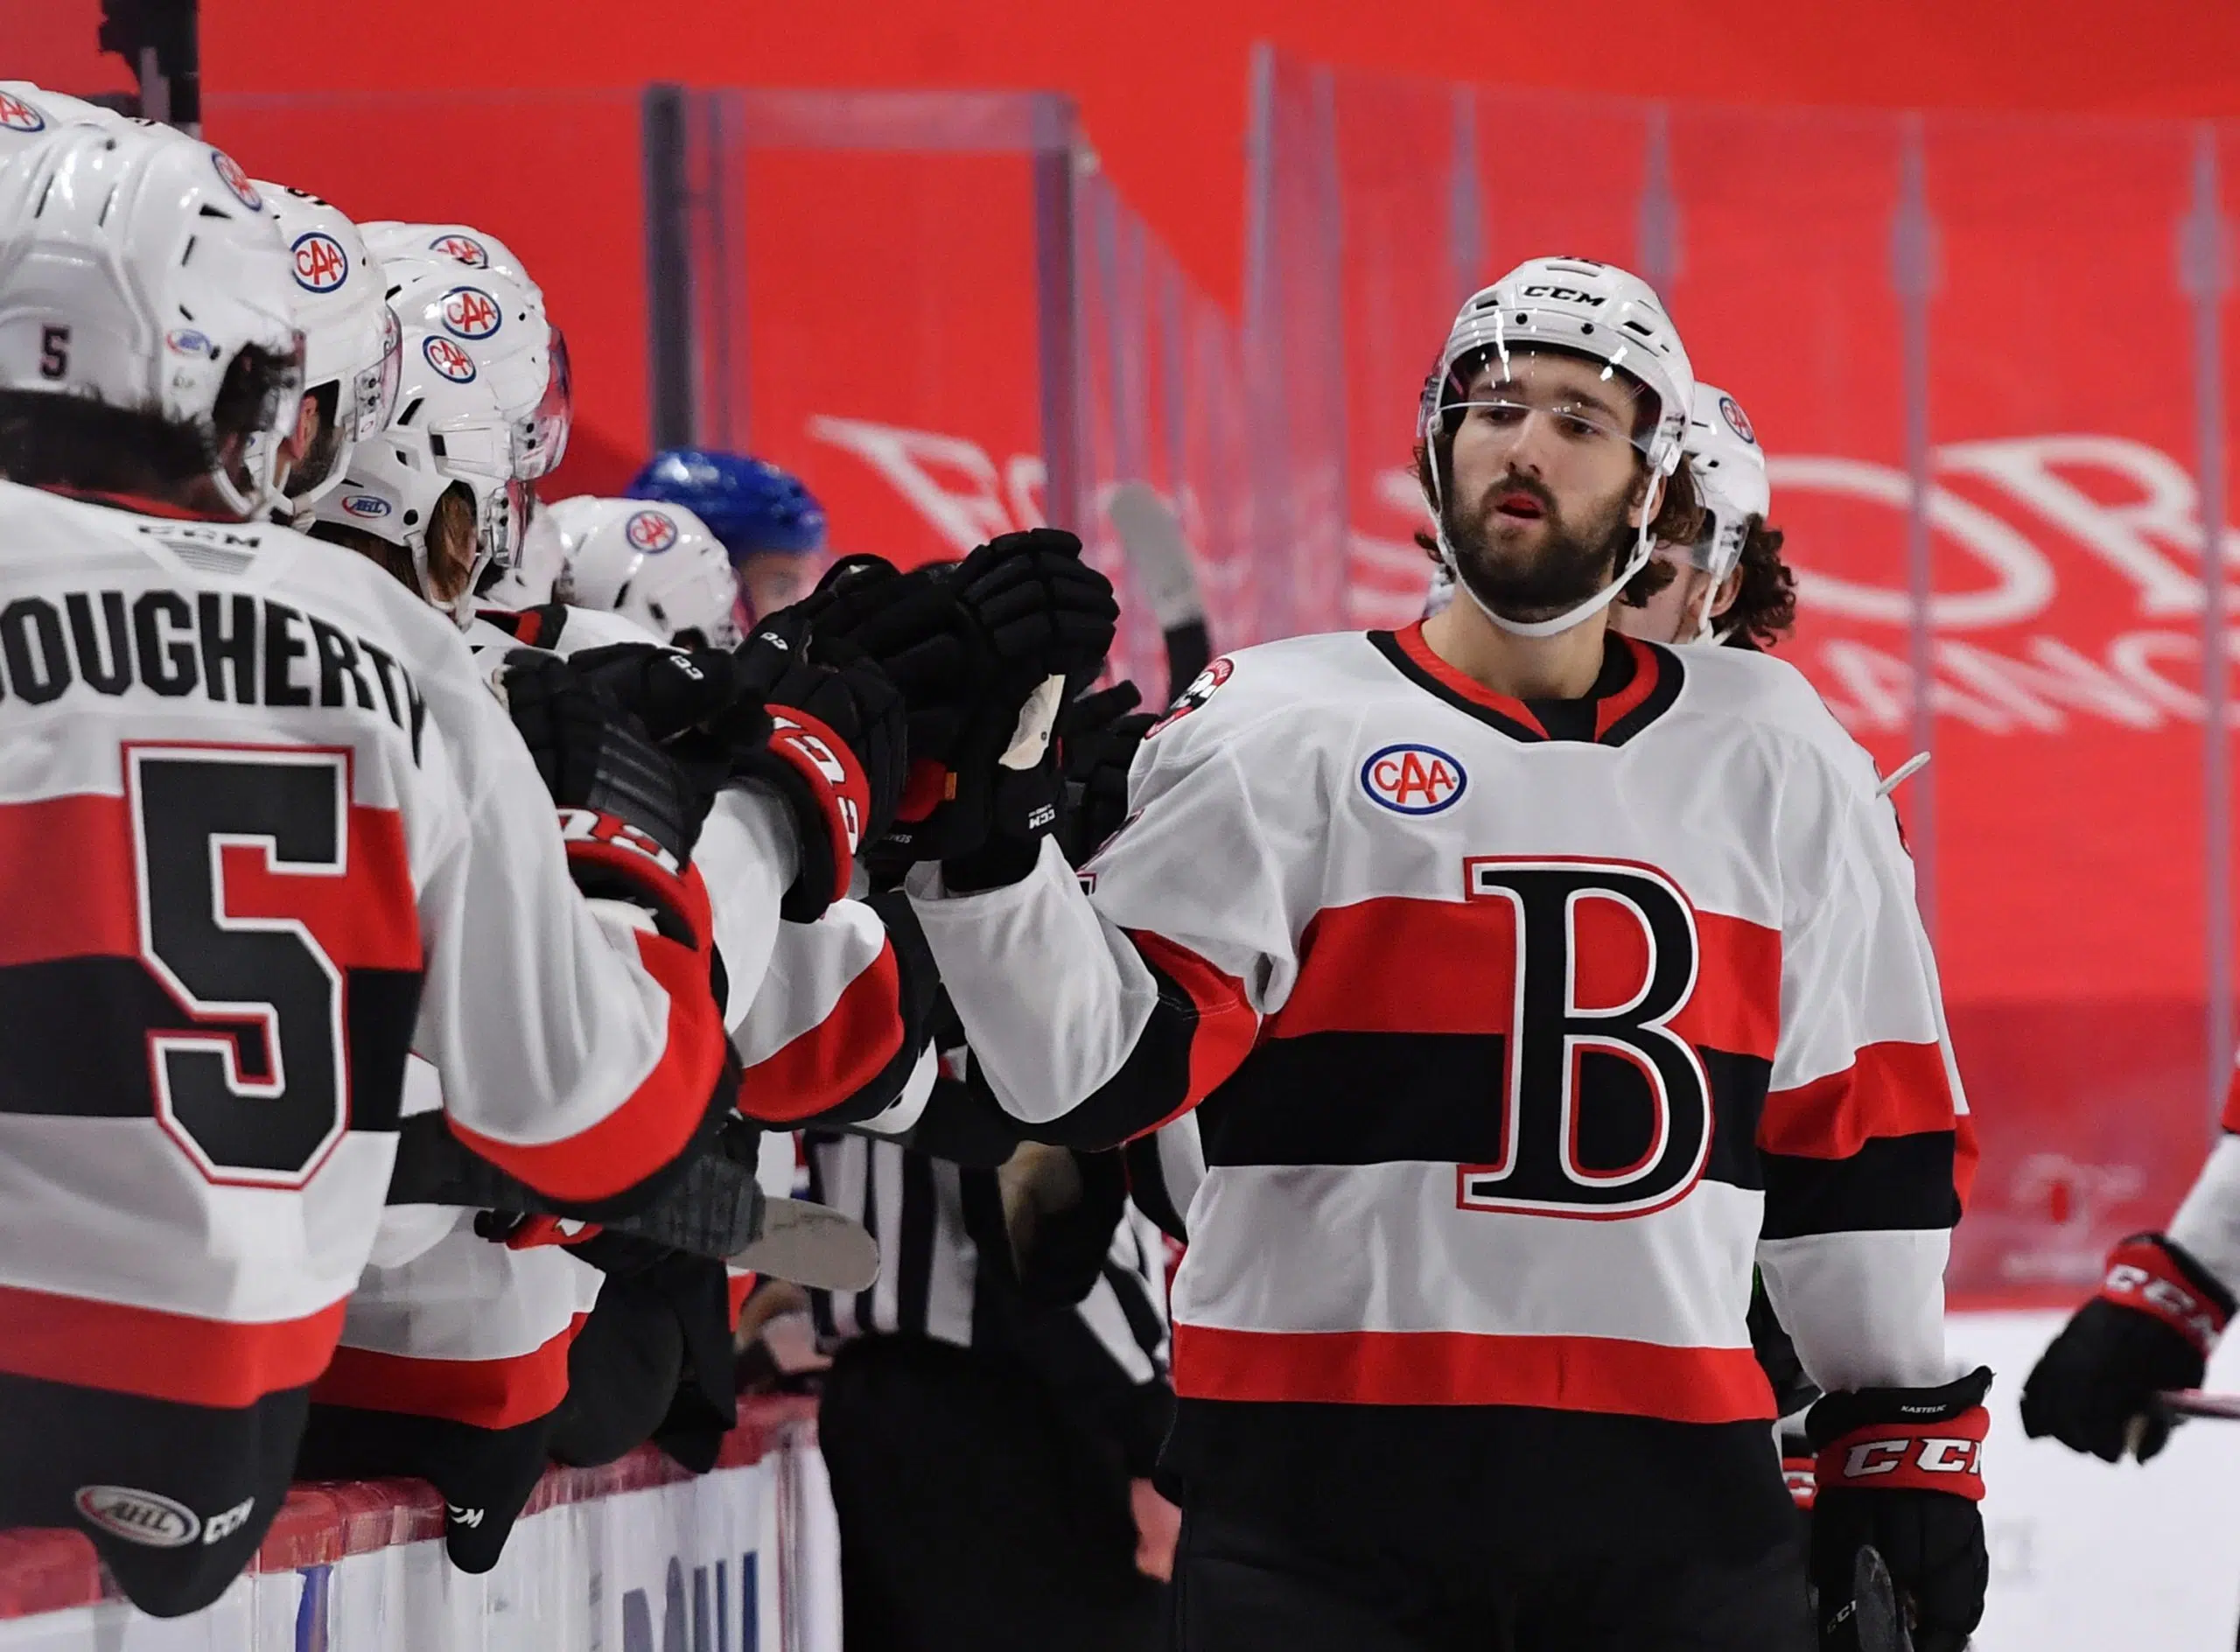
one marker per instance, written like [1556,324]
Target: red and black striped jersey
[265,830]
[1517,1034]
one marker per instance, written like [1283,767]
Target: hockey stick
[1151,537]
[2193,1401]
[1903,773]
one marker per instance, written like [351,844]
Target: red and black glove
[628,813]
[2098,1387]
[834,751]
[1899,1470]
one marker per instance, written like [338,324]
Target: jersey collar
[1637,684]
[142,504]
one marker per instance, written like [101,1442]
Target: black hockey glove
[628,813]
[1899,1471]
[834,751]
[1097,737]
[977,652]
[2098,1387]
[673,692]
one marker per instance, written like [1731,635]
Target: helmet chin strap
[1644,547]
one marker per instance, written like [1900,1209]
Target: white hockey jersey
[264,829]
[1521,1032]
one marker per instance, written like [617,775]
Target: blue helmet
[748,504]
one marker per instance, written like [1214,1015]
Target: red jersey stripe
[1227,1027]
[847,1050]
[1368,968]
[1631,697]
[493,1393]
[1459,1368]
[657,1121]
[157,1354]
[1889,1090]
[1412,644]
[69,886]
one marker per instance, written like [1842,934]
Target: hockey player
[656,565]
[1731,584]
[771,525]
[1534,981]
[268,829]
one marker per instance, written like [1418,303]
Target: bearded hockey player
[1533,981]
[268,829]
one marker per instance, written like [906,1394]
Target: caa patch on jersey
[1413,780]
[470,313]
[321,265]
[449,360]
[650,530]
[466,249]
[1200,690]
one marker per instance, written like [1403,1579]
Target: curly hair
[1679,519]
[1764,610]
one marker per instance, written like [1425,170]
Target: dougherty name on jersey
[229,647]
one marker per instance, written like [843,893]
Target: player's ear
[1649,498]
[1729,589]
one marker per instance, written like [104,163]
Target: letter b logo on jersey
[1606,1110]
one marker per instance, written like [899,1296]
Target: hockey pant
[175,1497]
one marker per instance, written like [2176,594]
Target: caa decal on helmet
[1413,780]
[187,342]
[1737,420]
[448,358]
[365,504]
[1200,690]
[19,116]
[471,313]
[649,530]
[230,174]
[320,262]
[465,249]
[145,1518]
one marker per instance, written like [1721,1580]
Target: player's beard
[1529,570]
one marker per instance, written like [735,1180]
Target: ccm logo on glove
[2138,1276]
[810,751]
[1929,1456]
[589,826]
[1897,1456]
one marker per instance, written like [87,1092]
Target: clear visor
[1572,402]
[544,433]
[376,386]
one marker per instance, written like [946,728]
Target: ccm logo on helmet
[365,504]
[320,262]
[1413,780]
[230,174]
[19,116]
[471,313]
[145,1518]
[449,360]
[650,530]
[1569,294]
[466,249]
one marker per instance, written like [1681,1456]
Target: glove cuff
[607,855]
[2154,1275]
[1903,1439]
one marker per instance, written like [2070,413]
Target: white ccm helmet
[1729,468]
[29,113]
[463,244]
[351,341]
[448,432]
[1585,309]
[502,320]
[655,563]
[136,266]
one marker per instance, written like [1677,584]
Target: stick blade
[812,1245]
[1881,1626]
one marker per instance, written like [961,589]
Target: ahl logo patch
[465,249]
[320,262]
[187,342]
[649,530]
[449,360]
[471,313]
[143,1517]
[1413,780]
[1200,690]
[1737,420]
[230,174]
[19,116]
[365,504]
